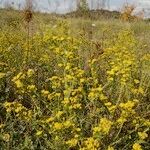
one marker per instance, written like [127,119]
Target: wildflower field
[72,84]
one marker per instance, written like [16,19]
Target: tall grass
[85,85]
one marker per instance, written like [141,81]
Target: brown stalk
[28,16]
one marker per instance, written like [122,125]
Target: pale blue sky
[62,6]
[66,5]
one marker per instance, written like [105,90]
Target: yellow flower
[147,123]
[137,146]
[6,137]
[54,37]
[68,66]
[91,95]
[18,83]
[82,80]
[57,94]
[62,38]
[60,65]
[93,61]
[96,129]
[72,142]
[31,87]
[110,148]
[69,77]
[50,97]
[110,79]
[54,78]
[91,144]
[108,104]
[30,72]
[59,114]
[56,138]
[78,129]
[7,104]
[19,76]
[66,100]
[112,72]
[2,75]
[103,97]
[142,135]
[136,81]
[18,109]
[112,108]
[67,124]
[128,105]
[121,120]
[38,133]
[50,119]
[57,50]
[44,92]
[140,90]
[1,126]
[77,106]
[58,126]
[104,126]
[99,89]
[8,107]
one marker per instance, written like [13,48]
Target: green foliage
[82,6]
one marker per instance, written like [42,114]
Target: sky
[63,6]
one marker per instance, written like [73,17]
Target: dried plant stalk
[28,16]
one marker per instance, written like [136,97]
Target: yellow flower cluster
[103,127]
[126,110]
[72,142]
[66,95]
[90,144]
[137,146]
[21,112]
[17,80]
[142,135]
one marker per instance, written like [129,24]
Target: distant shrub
[82,5]
[128,13]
